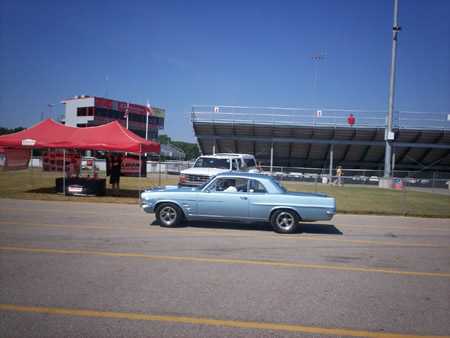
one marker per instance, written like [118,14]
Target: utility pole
[388,134]
[316,58]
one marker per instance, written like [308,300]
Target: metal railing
[319,117]
[317,176]
[367,177]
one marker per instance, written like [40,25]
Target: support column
[271,157]
[214,148]
[331,164]
[393,162]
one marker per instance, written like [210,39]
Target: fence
[358,176]
[319,117]
[364,177]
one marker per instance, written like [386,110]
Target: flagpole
[146,121]
[126,113]
[146,124]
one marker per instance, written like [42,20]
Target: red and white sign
[53,160]
[16,159]
[28,142]
[130,166]
[123,106]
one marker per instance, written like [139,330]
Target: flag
[149,109]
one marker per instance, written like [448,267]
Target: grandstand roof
[305,137]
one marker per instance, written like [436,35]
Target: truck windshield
[211,162]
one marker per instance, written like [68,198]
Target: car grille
[196,179]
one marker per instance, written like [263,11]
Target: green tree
[4,131]
[190,149]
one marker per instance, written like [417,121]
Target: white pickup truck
[207,166]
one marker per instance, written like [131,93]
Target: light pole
[316,59]
[388,134]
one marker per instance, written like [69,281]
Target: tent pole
[140,169]
[159,170]
[64,171]
[31,165]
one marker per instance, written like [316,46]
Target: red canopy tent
[108,137]
[50,134]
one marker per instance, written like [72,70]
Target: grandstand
[293,137]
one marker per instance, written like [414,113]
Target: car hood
[203,171]
[172,188]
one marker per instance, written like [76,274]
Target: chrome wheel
[168,215]
[285,221]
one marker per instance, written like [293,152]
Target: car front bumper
[147,206]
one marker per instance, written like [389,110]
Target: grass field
[38,185]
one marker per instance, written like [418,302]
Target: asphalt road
[104,270]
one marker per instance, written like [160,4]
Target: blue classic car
[240,197]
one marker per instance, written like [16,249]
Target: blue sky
[180,53]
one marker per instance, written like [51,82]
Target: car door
[259,203]
[215,202]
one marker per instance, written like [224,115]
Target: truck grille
[196,179]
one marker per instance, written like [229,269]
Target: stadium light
[316,59]
[388,134]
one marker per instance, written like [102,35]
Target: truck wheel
[284,221]
[169,215]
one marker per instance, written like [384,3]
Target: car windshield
[200,187]
[211,162]
[249,162]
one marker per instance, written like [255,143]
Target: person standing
[114,180]
[339,173]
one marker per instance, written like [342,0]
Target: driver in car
[230,184]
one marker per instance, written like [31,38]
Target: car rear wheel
[169,215]
[285,221]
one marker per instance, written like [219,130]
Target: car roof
[243,174]
[231,155]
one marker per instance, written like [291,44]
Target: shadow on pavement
[125,193]
[318,228]
[309,228]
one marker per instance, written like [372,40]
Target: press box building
[87,111]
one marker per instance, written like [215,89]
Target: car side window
[229,185]
[256,187]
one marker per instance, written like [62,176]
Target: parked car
[295,175]
[411,180]
[360,178]
[374,179]
[207,166]
[238,196]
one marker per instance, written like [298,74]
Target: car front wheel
[284,221]
[169,215]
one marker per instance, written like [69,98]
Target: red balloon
[351,120]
